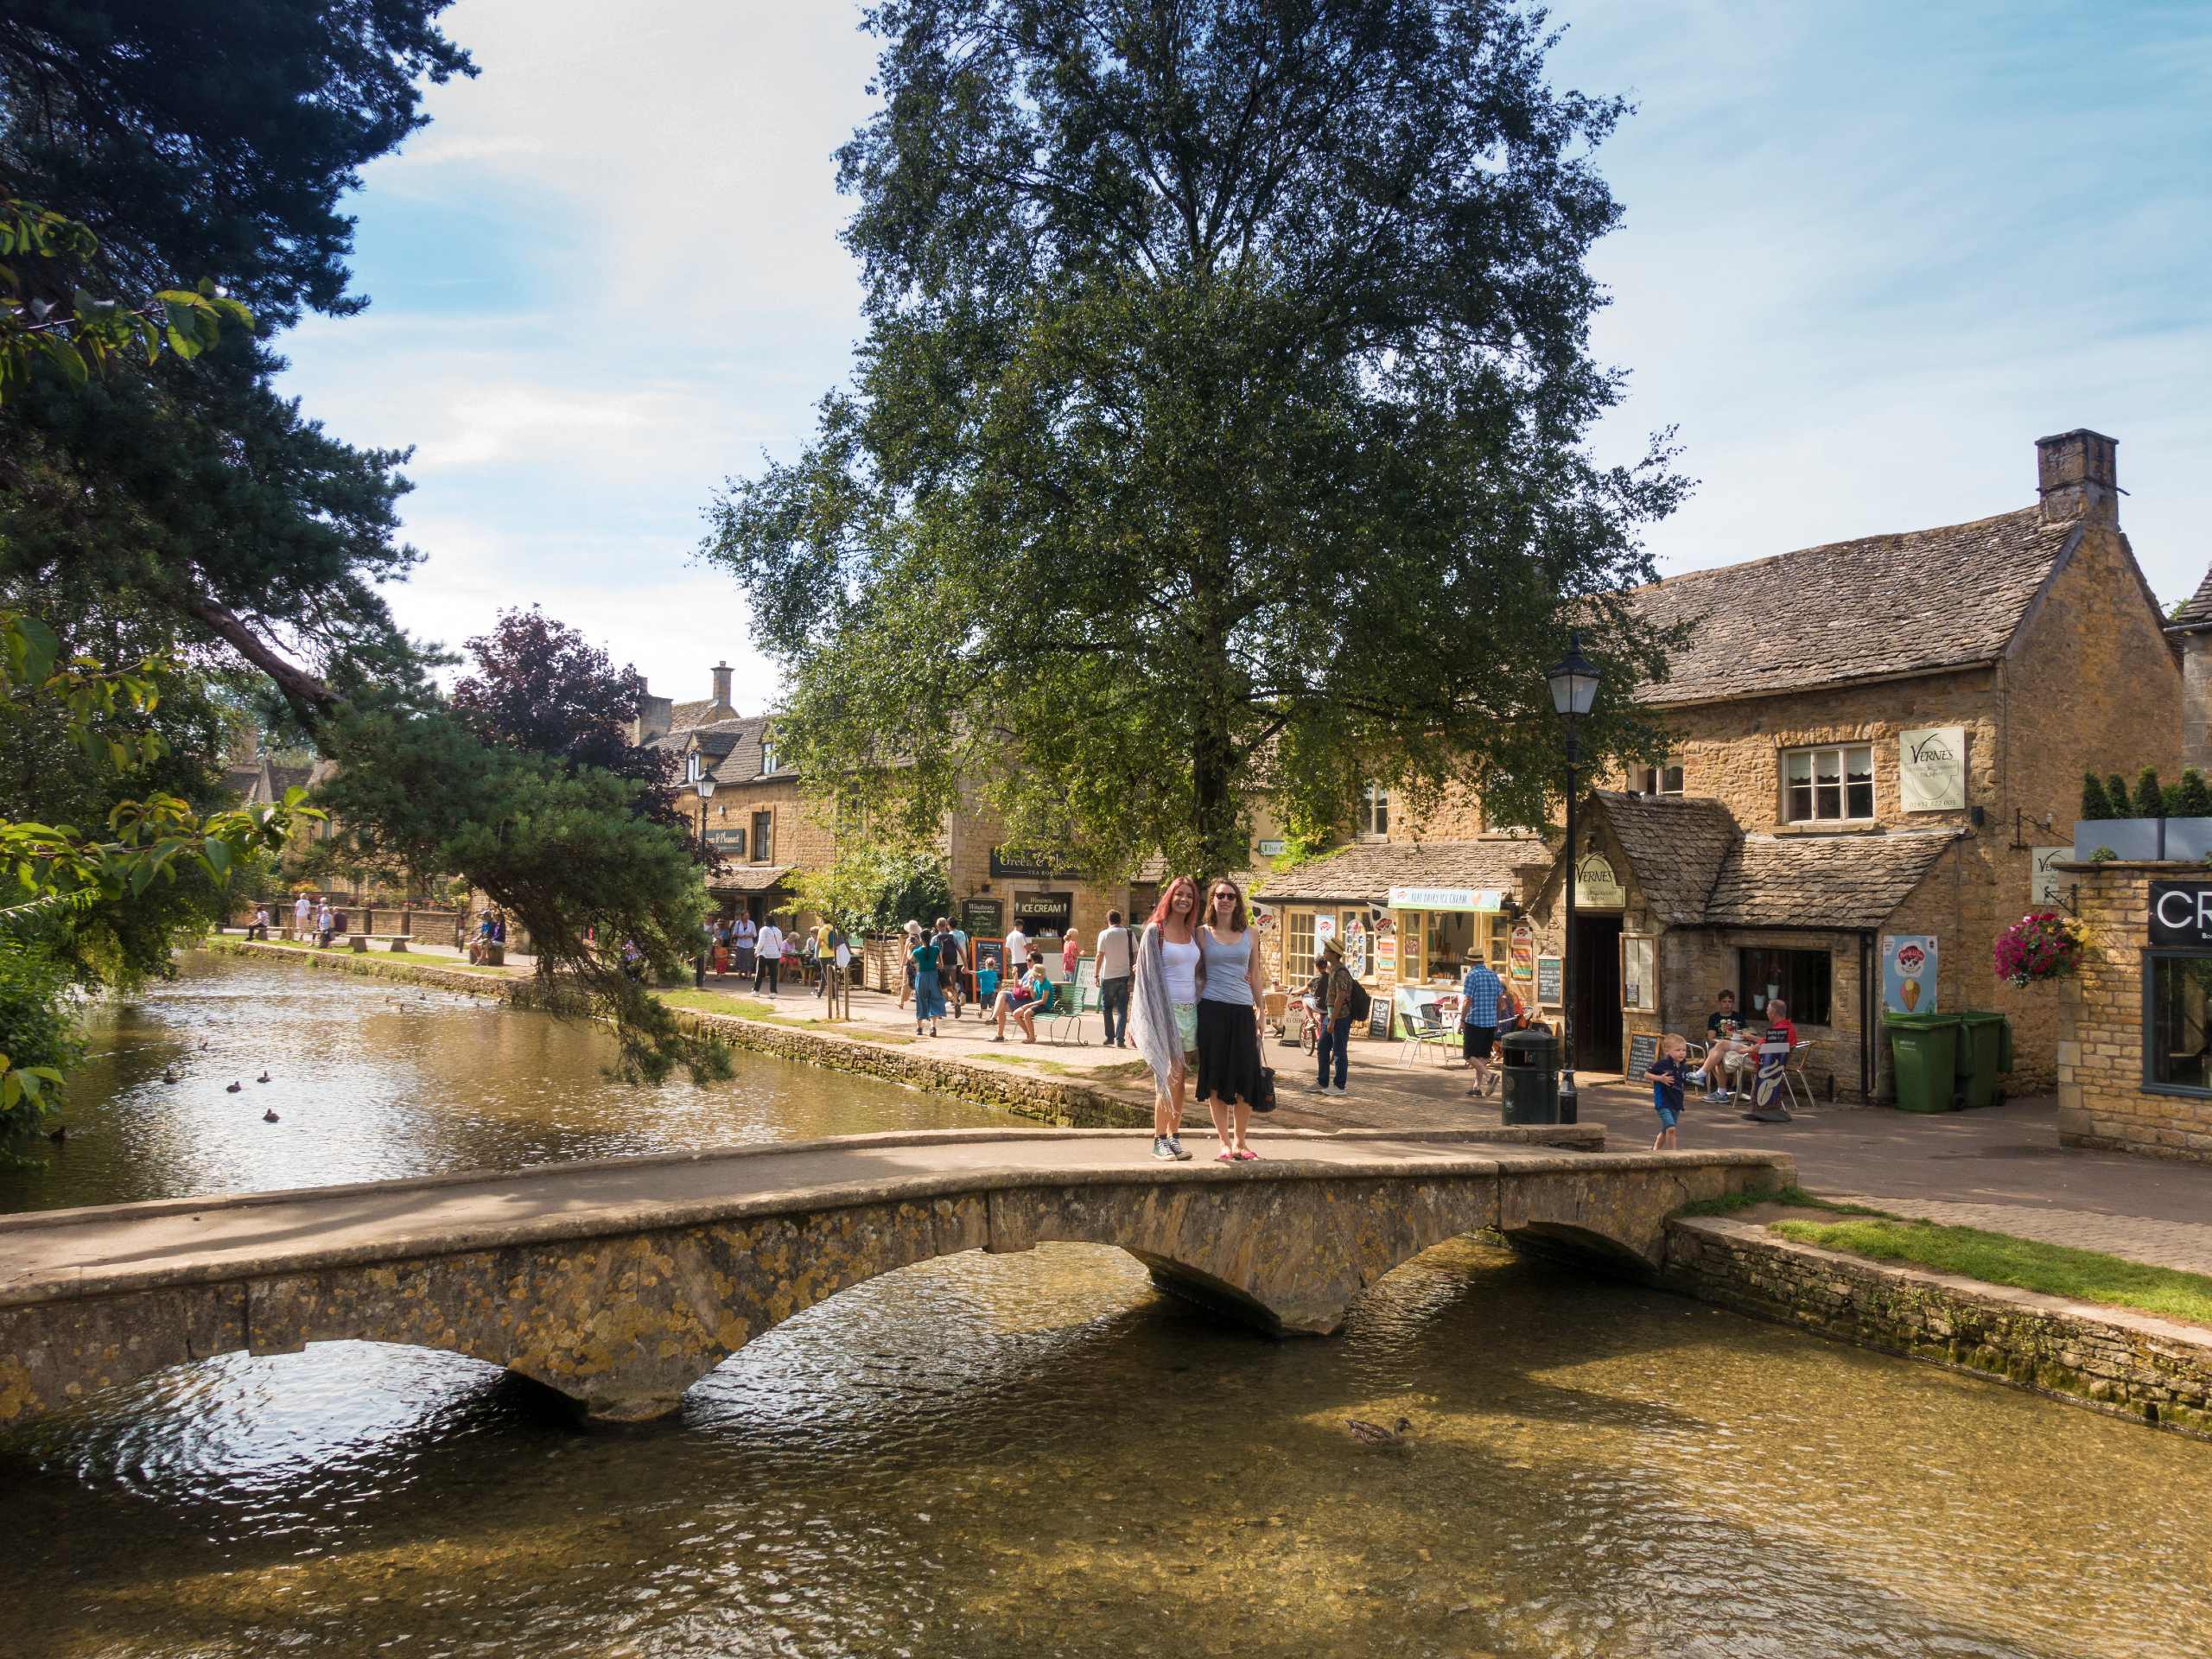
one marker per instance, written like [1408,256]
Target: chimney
[654,715]
[2077,476]
[721,681]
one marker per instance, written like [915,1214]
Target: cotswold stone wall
[2102,1100]
[2111,1359]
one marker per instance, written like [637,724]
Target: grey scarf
[1152,1015]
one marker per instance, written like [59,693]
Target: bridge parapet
[621,1282]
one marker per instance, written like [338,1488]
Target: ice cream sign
[1908,973]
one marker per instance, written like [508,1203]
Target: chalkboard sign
[1642,1051]
[1547,981]
[1378,1017]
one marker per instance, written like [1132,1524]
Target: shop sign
[1356,948]
[1932,769]
[1549,981]
[2181,912]
[1386,954]
[732,841]
[1523,961]
[983,919]
[1044,912]
[1324,927]
[1032,869]
[1595,886]
[1273,848]
[1475,898]
[2048,881]
[1908,973]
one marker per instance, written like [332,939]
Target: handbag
[1266,1092]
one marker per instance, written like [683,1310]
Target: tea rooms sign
[1932,769]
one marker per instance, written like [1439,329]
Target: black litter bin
[1528,1080]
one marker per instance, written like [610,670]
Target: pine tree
[2117,792]
[2096,806]
[2150,799]
[2194,796]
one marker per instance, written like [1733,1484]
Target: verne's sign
[2181,912]
[1932,769]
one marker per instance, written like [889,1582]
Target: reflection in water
[1038,1454]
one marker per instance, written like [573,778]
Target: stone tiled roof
[735,742]
[1676,845]
[685,716]
[1868,609]
[1846,881]
[746,878]
[1366,875]
[2196,611]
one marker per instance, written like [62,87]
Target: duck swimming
[234,1087]
[169,1075]
[263,1078]
[269,1116]
[1375,1434]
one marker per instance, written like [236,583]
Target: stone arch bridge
[621,1282]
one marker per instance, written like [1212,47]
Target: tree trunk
[1217,814]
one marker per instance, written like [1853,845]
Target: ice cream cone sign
[1909,973]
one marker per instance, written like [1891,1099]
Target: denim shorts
[1186,1022]
[1668,1116]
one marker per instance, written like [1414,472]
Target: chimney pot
[722,689]
[2077,475]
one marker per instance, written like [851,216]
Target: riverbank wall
[2110,1359]
[1056,1102]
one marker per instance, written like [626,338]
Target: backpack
[1359,1004]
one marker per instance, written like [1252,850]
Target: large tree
[1221,426]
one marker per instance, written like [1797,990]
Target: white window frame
[1297,956]
[1815,785]
[767,755]
[1372,819]
[1653,780]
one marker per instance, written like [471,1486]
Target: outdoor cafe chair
[1072,1000]
[1795,1077]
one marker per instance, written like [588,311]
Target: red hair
[1237,925]
[1167,897]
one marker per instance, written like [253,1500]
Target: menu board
[1378,1016]
[980,917]
[1548,982]
[1642,1053]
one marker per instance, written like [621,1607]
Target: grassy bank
[2023,1264]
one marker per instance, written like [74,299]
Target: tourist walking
[768,956]
[910,936]
[1332,991]
[929,988]
[946,945]
[963,974]
[1480,993]
[1017,951]
[1669,1072]
[744,936]
[1116,956]
[1230,1074]
[1163,1008]
[1071,954]
[302,916]
[323,924]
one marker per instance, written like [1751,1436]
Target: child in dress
[1668,1074]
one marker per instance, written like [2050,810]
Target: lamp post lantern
[1574,688]
[705,785]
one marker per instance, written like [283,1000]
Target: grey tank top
[1226,965]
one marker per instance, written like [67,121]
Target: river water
[1014,1455]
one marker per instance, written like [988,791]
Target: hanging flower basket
[2040,945]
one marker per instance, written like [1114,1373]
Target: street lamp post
[705,785]
[1574,687]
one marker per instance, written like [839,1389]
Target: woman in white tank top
[1163,1009]
[1230,1078]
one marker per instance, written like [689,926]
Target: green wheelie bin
[1924,1058]
[1981,1056]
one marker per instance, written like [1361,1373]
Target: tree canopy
[1221,428]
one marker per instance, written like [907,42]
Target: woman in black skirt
[1229,1020]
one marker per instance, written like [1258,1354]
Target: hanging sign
[1908,973]
[1324,927]
[1932,769]
[1595,886]
[2048,882]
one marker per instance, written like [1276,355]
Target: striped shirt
[1481,988]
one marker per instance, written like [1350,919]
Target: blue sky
[1871,252]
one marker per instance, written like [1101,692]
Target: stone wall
[2102,1100]
[2111,1359]
[802,831]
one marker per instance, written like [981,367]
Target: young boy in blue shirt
[1668,1074]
